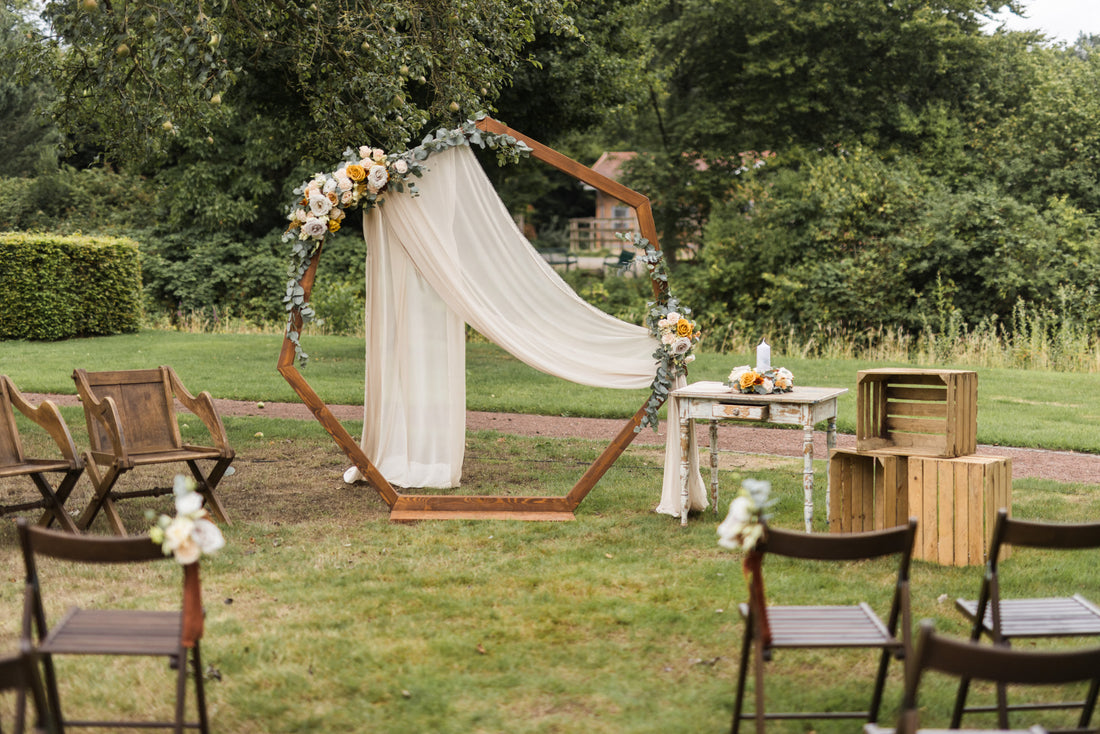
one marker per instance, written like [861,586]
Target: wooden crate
[955,502]
[917,412]
[867,491]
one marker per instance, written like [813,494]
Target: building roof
[610,162]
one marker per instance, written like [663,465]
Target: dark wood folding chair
[967,660]
[772,627]
[19,675]
[173,635]
[131,417]
[15,463]
[1004,620]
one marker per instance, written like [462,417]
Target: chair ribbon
[754,577]
[192,606]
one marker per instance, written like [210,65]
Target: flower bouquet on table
[745,379]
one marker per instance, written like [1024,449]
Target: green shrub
[57,287]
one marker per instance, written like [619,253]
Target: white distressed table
[714,402]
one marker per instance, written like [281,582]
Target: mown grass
[1016,407]
[323,616]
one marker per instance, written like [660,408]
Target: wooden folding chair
[968,660]
[14,462]
[1004,620]
[131,417]
[770,627]
[173,635]
[19,674]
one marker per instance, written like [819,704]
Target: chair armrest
[202,406]
[47,417]
[105,412]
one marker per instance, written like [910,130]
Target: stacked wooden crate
[916,434]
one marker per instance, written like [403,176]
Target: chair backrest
[87,549]
[145,404]
[834,547]
[993,663]
[11,447]
[1028,533]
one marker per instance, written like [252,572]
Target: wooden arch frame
[406,507]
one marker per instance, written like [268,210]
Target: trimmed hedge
[57,287]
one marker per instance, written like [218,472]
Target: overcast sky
[1062,19]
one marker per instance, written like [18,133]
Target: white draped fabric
[453,255]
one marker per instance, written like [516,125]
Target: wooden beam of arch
[407,507]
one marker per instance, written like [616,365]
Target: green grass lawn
[323,616]
[1015,407]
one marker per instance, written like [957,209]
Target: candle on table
[763,357]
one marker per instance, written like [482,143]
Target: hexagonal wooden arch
[408,507]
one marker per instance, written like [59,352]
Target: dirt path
[1062,466]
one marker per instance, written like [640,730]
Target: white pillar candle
[763,357]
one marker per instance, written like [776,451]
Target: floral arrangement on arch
[359,182]
[745,379]
[670,324]
[190,534]
[749,511]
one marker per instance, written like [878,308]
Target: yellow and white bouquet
[745,379]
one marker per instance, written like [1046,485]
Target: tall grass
[1036,339]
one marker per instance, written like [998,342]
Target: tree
[137,76]
[27,137]
[756,74]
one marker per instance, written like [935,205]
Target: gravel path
[1062,466]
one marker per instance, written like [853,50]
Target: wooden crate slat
[926,394]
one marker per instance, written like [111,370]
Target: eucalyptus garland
[670,324]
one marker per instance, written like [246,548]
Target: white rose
[689,359]
[177,532]
[314,228]
[668,337]
[301,215]
[364,151]
[735,375]
[343,183]
[329,187]
[768,385]
[319,204]
[681,345]
[730,530]
[401,166]
[207,536]
[378,154]
[188,503]
[187,552]
[377,177]
[345,198]
[672,317]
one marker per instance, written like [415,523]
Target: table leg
[830,444]
[714,466]
[685,456]
[808,476]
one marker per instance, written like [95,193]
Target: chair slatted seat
[171,634]
[131,417]
[773,627]
[14,462]
[1004,620]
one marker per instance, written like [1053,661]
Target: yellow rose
[333,225]
[684,327]
[748,379]
[356,172]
